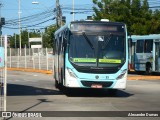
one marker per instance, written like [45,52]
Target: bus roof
[99,22]
[106,22]
[144,37]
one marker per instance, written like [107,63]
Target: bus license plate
[96,86]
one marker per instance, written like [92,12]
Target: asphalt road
[36,92]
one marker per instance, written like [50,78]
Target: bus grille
[90,83]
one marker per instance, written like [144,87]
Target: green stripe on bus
[109,61]
[84,60]
[94,60]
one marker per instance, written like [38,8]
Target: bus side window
[140,46]
[148,46]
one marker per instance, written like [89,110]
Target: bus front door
[157,56]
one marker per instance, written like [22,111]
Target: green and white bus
[91,54]
[144,53]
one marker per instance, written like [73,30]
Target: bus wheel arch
[148,68]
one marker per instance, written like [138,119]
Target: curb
[140,77]
[49,72]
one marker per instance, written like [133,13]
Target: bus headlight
[71,73]
[122,74]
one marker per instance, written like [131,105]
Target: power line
[49,14]
[30,25]
[32,16]
[31,20]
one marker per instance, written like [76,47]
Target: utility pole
[19,16]
[0,24]
[59,14]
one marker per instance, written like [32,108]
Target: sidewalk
[143,77]
[130,76]
[31,70]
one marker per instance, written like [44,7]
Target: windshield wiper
[109,36]
[88,40]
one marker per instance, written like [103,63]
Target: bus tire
[60,84]
[56,84]
[148,69]
[140,72]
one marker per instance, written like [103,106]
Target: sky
[39,16]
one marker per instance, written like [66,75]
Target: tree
[47,37]
[136,8]
[136,14]
[14,40]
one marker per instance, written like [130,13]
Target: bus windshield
[97,50]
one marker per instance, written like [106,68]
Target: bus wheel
[60,84]
[56,84]
[148,69]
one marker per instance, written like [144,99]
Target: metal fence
[1,89]
[3,74]
[33,58]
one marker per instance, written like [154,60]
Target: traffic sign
[1,56]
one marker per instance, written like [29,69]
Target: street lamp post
[19,16]
[73,10]
[59,12]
